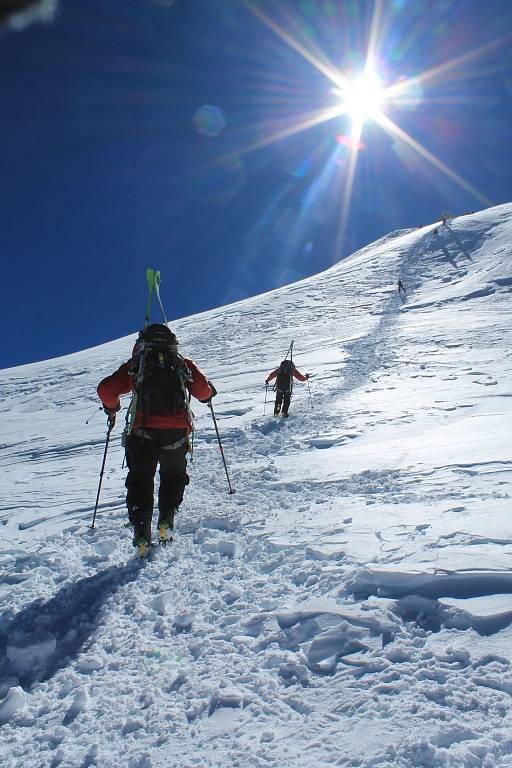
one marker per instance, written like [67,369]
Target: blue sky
[188,136]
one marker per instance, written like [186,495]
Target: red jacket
[121,383]
[295,373]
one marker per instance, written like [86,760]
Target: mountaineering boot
[277,410]
[164,535]
[166,525]
[141,522]
[144,549]
[142,539]
[285,414]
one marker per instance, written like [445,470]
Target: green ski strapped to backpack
[153,278]
[159,371]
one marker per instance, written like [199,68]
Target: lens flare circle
[209,120]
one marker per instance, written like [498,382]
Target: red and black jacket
[295,373]
[121,383]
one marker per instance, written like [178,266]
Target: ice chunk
[16,699]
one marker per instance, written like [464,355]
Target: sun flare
[364,97]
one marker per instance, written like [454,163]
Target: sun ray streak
[325,67]
[392,128]
[315,118]
[373,43]
[441,70]
[347,191]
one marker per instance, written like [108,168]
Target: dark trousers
[282,398]
[145,449]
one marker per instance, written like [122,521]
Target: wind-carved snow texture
[350,604]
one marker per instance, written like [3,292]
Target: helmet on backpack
[156,333]
[159,332]
[287,366]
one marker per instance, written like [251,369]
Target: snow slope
[350,604]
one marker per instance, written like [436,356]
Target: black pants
[282,398]
[145,449]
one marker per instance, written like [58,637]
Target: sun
[361,97]
[364,97]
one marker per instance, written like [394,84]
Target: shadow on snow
[44,637]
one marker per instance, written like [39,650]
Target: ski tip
[150,277]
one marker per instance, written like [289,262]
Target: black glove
[111,414]
[214,392]
[111,411]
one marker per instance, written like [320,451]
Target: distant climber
[284,376]
[435,231]
[401,288]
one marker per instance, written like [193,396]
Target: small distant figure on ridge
[401,288]
[284,376]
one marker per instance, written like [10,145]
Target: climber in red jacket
[284,384]
[160,421]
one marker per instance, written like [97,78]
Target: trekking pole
[309,390]
[192,445]
[265,404]
[210,406]
[111,421]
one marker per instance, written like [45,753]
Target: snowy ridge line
[217,313]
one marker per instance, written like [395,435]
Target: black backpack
[159,372]
[284,376]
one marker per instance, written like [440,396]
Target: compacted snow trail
[350,603]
